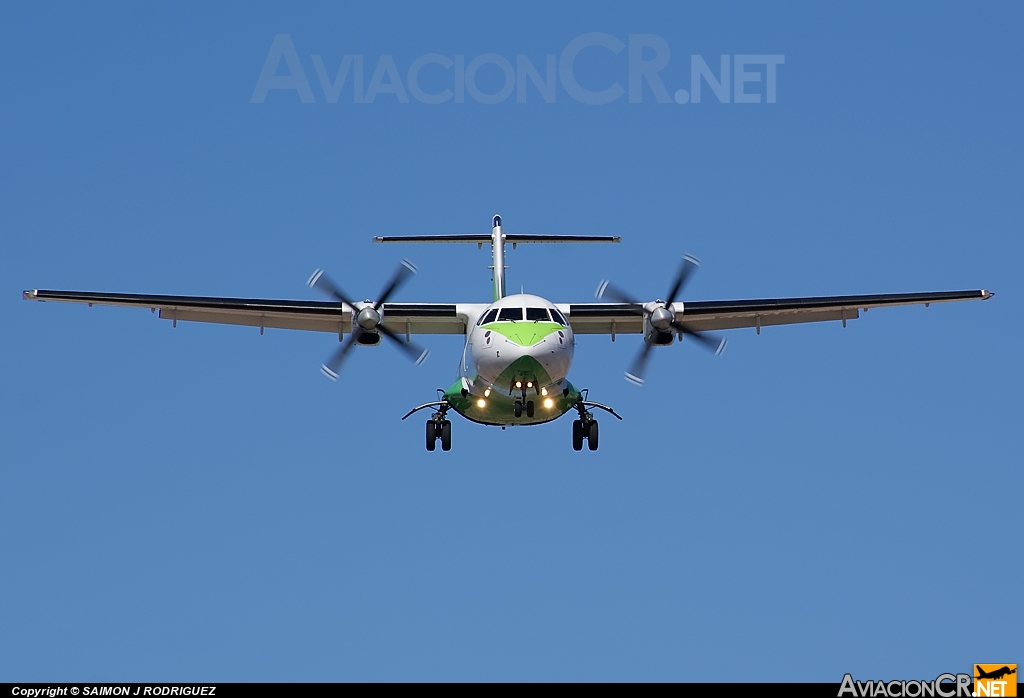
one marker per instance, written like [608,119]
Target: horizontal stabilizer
[513,238]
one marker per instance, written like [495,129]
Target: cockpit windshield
[517,315]
[510,314]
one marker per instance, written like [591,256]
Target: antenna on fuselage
[498,238]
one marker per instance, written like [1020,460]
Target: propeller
[661,317]
[368,318]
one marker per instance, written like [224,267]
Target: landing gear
[586,426]
[439,429]
[438,426]
[517,408]
[584,430]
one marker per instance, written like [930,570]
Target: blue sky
[199,503]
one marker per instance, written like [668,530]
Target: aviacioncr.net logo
[642,62]
[943,686]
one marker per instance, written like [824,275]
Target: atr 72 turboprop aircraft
[515,364]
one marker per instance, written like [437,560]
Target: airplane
[519,348]
[996,674]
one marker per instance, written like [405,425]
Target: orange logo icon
[995,680]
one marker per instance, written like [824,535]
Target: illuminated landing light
[544,391]
[549,403]
[481,403]
[530,384]
[519,384]
[487,393]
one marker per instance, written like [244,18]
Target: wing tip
[30,295]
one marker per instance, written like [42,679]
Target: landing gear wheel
[592,436]
[577,435]
[431,435]
[529,408]
[446,435]
[517,409]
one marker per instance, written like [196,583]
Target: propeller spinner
[661,318]
[368,322]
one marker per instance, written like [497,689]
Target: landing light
[549,403]
[519,384]
[530,384]
[481,403]
[487,393]
[543,391]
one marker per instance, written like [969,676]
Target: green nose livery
[525,334]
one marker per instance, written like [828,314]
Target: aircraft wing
[316,316]
[623,318]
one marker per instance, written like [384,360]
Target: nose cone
[496,222]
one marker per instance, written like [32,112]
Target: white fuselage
[499,343]
[519,349]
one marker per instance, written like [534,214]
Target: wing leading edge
[621,318]
[315,316]
[442,318]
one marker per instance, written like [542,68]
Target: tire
[592,436]
[577,435]
[529,408]
[446,435]
[517,409]
[431,435]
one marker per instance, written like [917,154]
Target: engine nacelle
[364,326]
[654,336]
[658,324]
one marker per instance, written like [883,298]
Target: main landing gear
[585,428]
[439,429]
[438,426]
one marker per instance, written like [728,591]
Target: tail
[497,239]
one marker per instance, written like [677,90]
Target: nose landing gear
[521,402]
[517,408]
